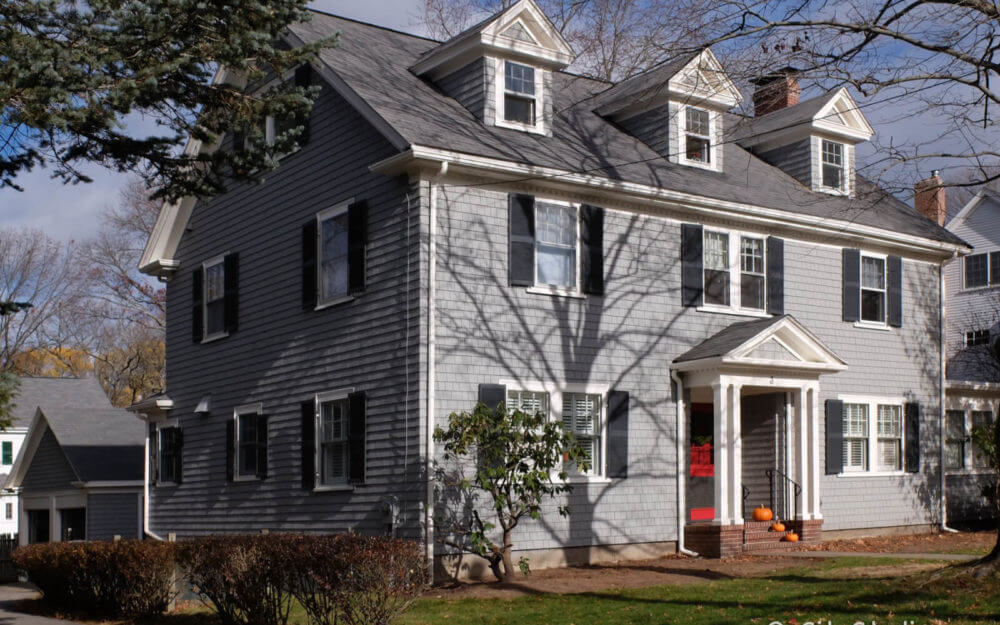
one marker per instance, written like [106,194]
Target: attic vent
[519,32]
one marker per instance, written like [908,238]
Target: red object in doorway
[702,514]
[701,461]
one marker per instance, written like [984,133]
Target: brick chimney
[929,199]
[776,91]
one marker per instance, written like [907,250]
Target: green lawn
[831,590]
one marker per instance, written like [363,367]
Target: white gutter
[941,399]
[431,374]
[145,490]
[681,437]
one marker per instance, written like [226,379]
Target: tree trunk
[990,563]
[508,563]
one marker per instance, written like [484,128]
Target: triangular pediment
[703,78]
[773,349]
[841,115]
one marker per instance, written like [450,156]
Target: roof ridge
[373,25]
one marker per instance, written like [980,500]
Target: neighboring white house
[11,440]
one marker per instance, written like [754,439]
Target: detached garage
[80,474]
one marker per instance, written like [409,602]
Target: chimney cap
[774,75]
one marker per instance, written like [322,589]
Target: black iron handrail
[746,494]
[780,511]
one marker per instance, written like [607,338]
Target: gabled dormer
[677,108]
[813,141]
[501,69]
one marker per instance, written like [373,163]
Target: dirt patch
[670,570]
[962,542]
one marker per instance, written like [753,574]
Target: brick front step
[758,526]
[764,547]
[763,537]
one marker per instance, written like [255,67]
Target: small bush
[125,579]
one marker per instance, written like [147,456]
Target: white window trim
[989,285]
[160,426]
[843,189]
[211,262]
[555,392]
[499,87]
[735,272]
[548,289]
[873,404]
[968,457]
[321,398]
[874,325]
[334,211]
[256,409]
[682,138]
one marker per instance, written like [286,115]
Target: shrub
[357,580]
[125,579]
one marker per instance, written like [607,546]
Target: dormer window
[519,101]
[697,135]
[833,165]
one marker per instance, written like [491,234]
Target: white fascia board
[967,210]
[27,451]
[513,172]
[726,96]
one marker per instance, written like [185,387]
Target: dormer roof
[522,31]
[697,77]
[832,113]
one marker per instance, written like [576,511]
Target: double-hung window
[855,437]
[170,443]
[556,242]
[890,437]
[974,338]
[980,419]
[8,453]
[333,441]
[873,290]
[532,402]
[833,165]
[982,270]
[215,297]
[955,440]
[716,263]
[697,135]
[519,100]
[752,273]
[251,442]
[333,254]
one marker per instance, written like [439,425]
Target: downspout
[941,399]
[431,374]
[681,482]
[145,490]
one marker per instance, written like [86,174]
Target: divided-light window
[873,289]
[833,165]
[982,270]
[975,338]
[697,135]
[215,297]
[334,450]
[519,99]
[333,254]
[873,433]
[581,414]
[557,235]
[726,255]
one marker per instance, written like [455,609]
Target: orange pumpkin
[760,513]
[778,527]
[791,537]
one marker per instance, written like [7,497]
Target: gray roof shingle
[53,393]
[727,340]
[374,63]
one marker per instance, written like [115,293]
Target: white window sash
[735,269]
[319,400]
[334,211]
[884,290]
[873,438]
[247,410]
[576,287]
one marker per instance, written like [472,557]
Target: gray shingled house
[718,306]
[79,473]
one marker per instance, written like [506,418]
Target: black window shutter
[834,436]
[154,454]
[308,445]
[309,277]
[303,78]
[852,284]
[357,242]
[994,267]
[356,437]
[592,249]
[197,295]
[178,454]
[521,239]
[492,395]
[230,450]
[912,437]
[692,276]
[775,276]
[262,446]
[894,284]
[618,434]
[232,294]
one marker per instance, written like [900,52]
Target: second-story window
[716,268]
[697,135]
[556,245]
[519,101]
[8,453]
[215,298]
[333,254]
[833,165]
[873,289]
[752,273]
[974,338]
[982,270]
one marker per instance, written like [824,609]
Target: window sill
[832,191]
[700,165]
[214,337]
[733,311]
[335,302]
[537,129]
[165,485]
[849,474]
[976,289]
[968,472]
[555,291]
[587,479]
[871,325]
[246,478]
[334,488]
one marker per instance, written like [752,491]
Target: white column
[720,441]
[735,454]
[814,443]
[802,451]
